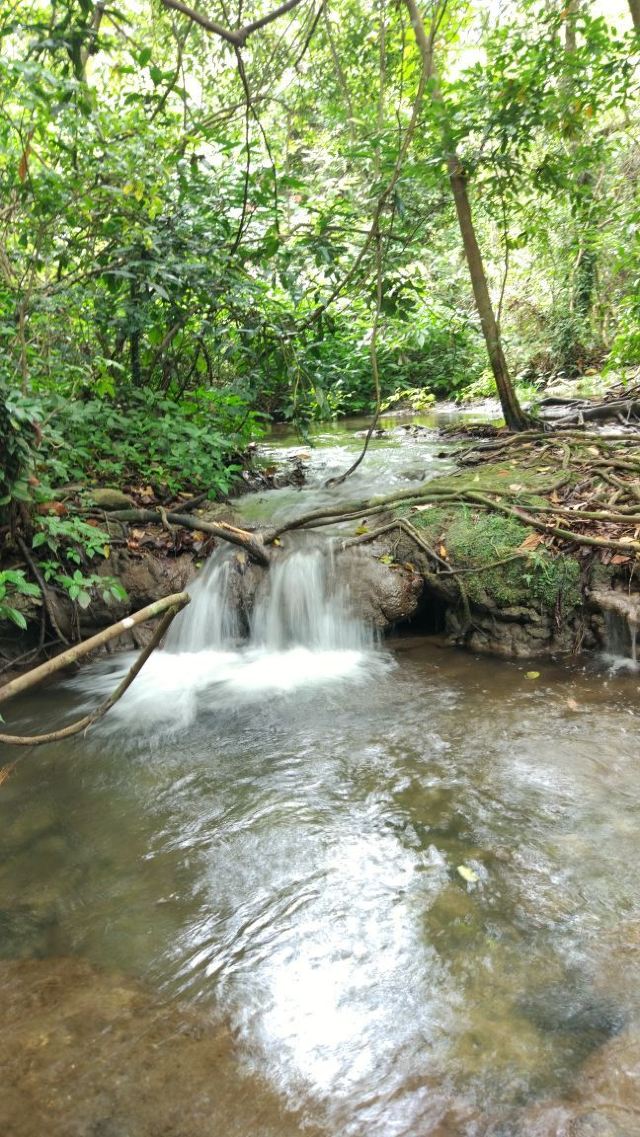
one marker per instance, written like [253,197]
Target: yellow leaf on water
[361,530]
[533,674]
[467,874]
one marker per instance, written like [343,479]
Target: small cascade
[622,618]
[304,603]
[299,603]
[302,633]
[212,619]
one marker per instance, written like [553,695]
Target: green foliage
[16,435]
[415,398]
[145,438]
[14,583]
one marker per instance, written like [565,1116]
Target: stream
[315,884]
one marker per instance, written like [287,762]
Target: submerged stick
[176,601]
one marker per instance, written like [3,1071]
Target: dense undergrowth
[195,242]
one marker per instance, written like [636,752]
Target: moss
[474,538]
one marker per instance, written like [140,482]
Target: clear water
[399,460]
[270,836]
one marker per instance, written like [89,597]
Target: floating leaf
[533,674]
[468,874]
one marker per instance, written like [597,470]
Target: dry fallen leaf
[572,705]
[532,541]
[468,874]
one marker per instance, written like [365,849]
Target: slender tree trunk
[514,416]
[634,8]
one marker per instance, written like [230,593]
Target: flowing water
[398,881]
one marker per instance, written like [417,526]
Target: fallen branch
[44,591]
[84,723]
[252,542]
[177,600]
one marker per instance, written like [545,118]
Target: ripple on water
[289,860]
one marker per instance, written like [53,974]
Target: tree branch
[238,37]
[100,711]
[177,600]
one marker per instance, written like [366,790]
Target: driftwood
[23,682]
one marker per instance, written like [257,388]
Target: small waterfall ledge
[622,620]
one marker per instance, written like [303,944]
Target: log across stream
[314,884]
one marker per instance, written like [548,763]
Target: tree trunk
[514,416]
[634,8]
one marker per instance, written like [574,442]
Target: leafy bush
[14,582]
[192,444]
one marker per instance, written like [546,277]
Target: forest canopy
[218,216]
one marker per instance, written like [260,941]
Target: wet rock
[381,594]
[145,579]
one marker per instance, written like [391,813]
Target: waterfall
[299,602]
[213,618]
[302,633]
[304,603]
[622,619]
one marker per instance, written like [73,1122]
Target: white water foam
[302,634]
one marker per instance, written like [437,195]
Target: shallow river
[270,843]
